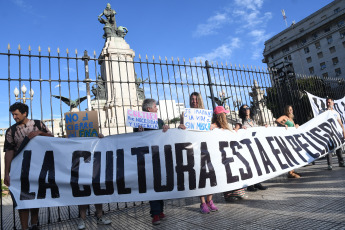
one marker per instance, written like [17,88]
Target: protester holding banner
[156,206]
[330,104]
[248,122]
[195,102]
[287,121]
[17,136]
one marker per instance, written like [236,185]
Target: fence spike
[67,50]
[48,49]
[58,50]
[19,47]
[178,59]
[172,58]
[184,60]
[39,49]
[76,52]
[94,52]
[195,61]
[166,59]
[217,63]
[189,61]
[200,62]
[153,57]
[29,48]
[221,63]
[8,46]
[159,57]
[139,56]
[146,57]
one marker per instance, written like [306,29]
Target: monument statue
[99,90]
[110,29]
[71,103]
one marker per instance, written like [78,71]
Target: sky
[228,31]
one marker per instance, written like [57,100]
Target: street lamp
[24,89]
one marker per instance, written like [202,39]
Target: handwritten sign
[82,124]
[141,118]
[197,119]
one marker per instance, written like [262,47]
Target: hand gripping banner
[153,165]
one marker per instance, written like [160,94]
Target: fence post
[210,83]
[87,80]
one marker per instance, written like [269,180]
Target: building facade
[313,46]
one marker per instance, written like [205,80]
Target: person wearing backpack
[16,137]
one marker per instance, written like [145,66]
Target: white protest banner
[154,165]
[141,118]
[318,104]
[197,119]
[82,124]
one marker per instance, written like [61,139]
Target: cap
[220,109]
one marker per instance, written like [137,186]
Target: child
[156,206]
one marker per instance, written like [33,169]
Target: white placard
[197,119]
[141,118]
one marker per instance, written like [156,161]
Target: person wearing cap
[219,120]
[248,122]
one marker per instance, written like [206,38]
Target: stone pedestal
[117,70]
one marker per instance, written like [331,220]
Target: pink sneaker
[211,206]
[204,209]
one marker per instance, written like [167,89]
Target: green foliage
[175,120]
[3,188]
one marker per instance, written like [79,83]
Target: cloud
[213,23]
[23,5]
[250,4]
[58,85]
[220,53]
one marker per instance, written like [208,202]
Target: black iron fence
[111,85]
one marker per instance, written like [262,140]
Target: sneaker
[293,175]
[329,167]
[244,197]
[81,224]
[211,206]
[156,220]
[103,220]
[260,186]
[162,216]
[204,209]
[252,188]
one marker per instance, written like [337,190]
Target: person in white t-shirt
[330,104]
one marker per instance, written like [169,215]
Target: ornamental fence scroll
[113,86]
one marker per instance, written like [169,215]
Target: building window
[329,39]
[342,33]
[311,70]
[285,50]
[335,60]
[306,50]
[320,55]
[303,41]
[314,35]
[332,49]
[341,23]
[337,10]
[327,29]
[325,75]
[317,45]
[323,65]
[309,59]
[337,72]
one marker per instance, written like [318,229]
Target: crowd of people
[25,129]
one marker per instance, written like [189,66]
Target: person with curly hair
[248,121]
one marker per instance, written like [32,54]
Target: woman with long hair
[248,121]
[195,102]
[287,121]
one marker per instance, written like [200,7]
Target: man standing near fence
[15,139]
[330,104]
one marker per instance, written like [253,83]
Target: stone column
[117,69]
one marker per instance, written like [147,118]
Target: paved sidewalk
[315,201]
